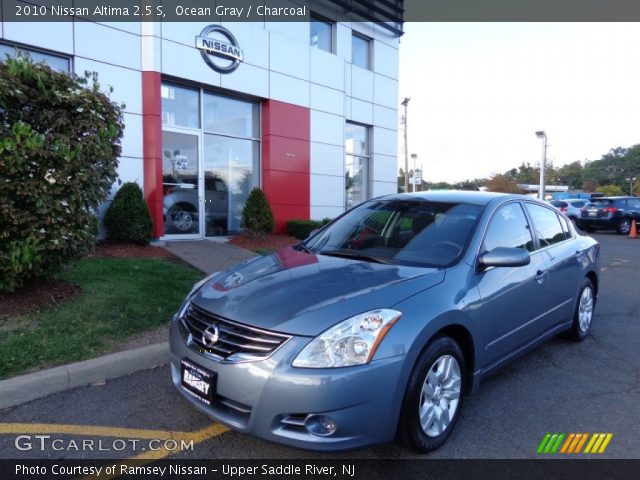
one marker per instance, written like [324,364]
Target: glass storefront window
[360,51]
[230,116]
[321,34]
[231,167]
[356,176]
[180,106]
[56,62]
[208,171]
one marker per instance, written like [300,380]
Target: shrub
[257,216]
[301,229]
[128,219]
[59,148]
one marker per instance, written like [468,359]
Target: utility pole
[631,180]
[414,156]
[404,103]
[543,163]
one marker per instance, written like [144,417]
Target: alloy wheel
[440,396]
[585,309]
[183,220]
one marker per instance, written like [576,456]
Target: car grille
[236,342]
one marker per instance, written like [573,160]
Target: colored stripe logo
[574,443]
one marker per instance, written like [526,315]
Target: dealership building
[308,111]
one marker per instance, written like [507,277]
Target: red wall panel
[152,148]
[286,158]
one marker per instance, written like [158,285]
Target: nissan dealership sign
[219,48]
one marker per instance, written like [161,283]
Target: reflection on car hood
[304,294]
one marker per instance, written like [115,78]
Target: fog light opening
[320,425]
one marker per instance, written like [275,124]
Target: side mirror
[505,257]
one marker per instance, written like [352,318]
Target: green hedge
[301,229]
[59,148]
[128,219]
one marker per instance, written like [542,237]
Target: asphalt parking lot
[593,386]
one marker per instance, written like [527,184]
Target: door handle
[540,276]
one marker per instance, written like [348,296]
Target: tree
[257,216]
[503,183]
[59,148]
[590,186]
[611,190]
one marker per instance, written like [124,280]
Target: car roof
[456,196]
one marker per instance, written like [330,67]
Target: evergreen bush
[128,219]
[257,216]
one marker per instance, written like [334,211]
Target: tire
[424,404]
[624,227]
[583,314]
[182,217]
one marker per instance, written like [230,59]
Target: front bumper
[255,397]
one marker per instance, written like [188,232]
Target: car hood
[304,294]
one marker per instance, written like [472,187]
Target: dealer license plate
[198,381]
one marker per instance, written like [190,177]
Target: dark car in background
[610,213]
[381,321]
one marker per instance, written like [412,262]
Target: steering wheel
[450,246]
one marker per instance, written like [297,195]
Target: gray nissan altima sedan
[380,323]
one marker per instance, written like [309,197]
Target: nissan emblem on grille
[210,336]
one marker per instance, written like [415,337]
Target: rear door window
[547,225]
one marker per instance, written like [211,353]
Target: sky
[480,91]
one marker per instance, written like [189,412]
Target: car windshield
[406,232]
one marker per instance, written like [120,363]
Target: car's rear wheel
[624,226]
[434,396]
[583,314]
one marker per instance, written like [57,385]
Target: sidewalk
[205,255]
[208,255]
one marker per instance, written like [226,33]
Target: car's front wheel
[434,396]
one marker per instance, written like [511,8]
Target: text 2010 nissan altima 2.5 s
[379,323]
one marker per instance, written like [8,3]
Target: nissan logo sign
[219,48]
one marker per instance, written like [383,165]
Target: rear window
[578,204]
[558,204]
[601,202]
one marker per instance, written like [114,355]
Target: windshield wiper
[303,247]
[358,256]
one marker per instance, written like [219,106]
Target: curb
[18,390]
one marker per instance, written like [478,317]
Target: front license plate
[198,381]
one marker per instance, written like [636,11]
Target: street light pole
[413,157]
[404,103]
[631,180]
[543,163]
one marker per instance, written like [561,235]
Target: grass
[121,297]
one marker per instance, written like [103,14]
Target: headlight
[351,342]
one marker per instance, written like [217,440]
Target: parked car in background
[570,207]
[380,322]
[610,213]
[180,205]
